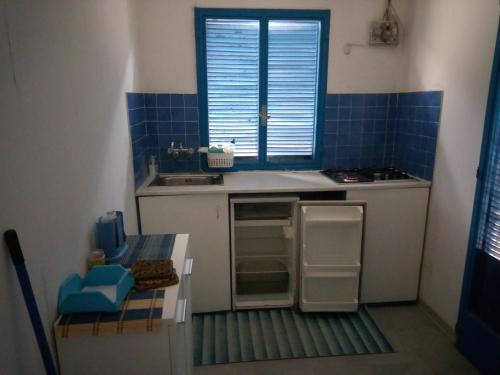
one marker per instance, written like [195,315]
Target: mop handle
[16,254]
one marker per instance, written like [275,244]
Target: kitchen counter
[274,182]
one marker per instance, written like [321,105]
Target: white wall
[166,43]
[64,148]
[450,47]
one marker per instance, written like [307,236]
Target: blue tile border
[157,120]
[379,130]
[417,116]
[360,130]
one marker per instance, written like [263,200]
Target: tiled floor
[421,349]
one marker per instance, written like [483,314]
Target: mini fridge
[331,242]
[291,252]
[263,251]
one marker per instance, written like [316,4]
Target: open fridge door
[331,242]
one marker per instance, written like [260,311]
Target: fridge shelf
[263,257]
[263,223]
[263,211]
[261,277]
[263,246]
[251,301]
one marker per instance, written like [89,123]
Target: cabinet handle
[188,267]
[181,310]
[217,214]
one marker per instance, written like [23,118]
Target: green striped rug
[256,335]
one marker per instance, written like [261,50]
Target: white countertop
[274,182]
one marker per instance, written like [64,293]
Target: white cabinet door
[206,219]
[181,336]
[394,237]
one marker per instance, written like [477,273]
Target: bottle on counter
[96,258]
[153,166]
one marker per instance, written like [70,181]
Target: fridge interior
[263,251]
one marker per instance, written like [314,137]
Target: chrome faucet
[181,150]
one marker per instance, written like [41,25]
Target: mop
[17,256]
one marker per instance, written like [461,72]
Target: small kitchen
[224,187]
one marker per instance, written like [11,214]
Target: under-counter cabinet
[206,219]
[394,238]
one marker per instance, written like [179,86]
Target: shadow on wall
[66,159]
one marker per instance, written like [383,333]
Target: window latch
[263,115]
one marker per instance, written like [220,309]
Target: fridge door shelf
[315,269]
[326,292]
[331,234]
[332,306]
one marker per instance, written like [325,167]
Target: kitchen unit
[394,239]
[394,219]
[206,218]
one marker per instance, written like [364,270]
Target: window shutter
[293,64]
[232,48]
[489,235]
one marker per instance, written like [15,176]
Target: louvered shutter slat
[293,58]
[489,235]
[232,48]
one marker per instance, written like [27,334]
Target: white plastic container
[220,160]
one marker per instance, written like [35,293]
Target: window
[262,82]
[489,224]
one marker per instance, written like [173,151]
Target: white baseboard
[445,328]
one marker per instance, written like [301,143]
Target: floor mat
[257,335]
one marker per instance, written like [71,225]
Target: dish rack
[220,160]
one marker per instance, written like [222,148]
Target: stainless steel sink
[187,180]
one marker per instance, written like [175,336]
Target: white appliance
[286,251]
[331,239]
[263,251]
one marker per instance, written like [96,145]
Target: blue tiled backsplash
[361,130]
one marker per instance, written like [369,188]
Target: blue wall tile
[417,117]
[155,120]
[191,100]
[151,114]
[150,100]
[164,114]
[177,101]
[191,114]
[360,130]
[398,129]
[163,100]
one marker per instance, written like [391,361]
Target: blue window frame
[262,81]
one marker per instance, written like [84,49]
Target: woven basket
[222,160]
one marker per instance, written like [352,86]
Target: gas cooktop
[346,176]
